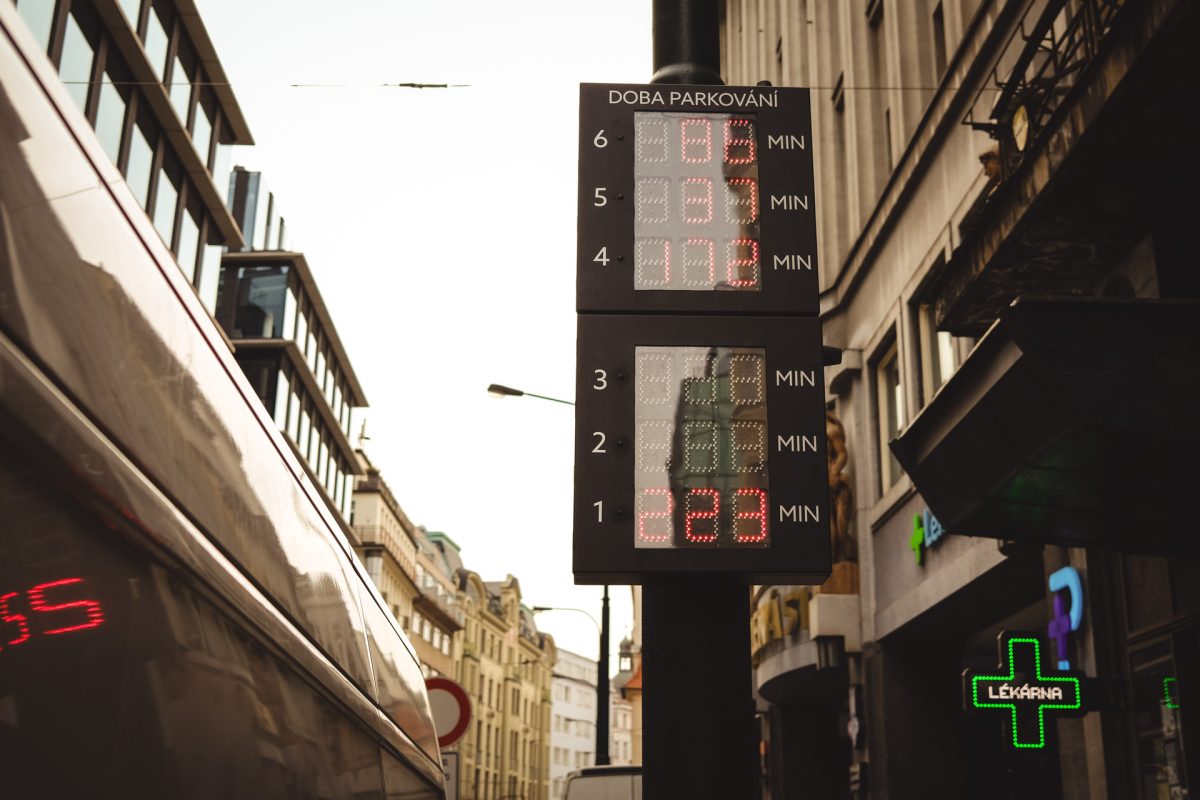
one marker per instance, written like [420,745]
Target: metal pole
[698,704]
[687,44]
[602,698]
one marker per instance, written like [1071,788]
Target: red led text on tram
[48,609]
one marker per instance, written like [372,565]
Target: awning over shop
[1072,422]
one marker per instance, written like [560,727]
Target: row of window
[101,83]
[269,303]
[937,355]
[294,412]
[422,627]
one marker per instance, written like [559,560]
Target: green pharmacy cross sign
[1028,692]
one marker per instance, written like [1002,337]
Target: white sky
[440,225]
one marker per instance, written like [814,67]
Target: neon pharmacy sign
[1028,692]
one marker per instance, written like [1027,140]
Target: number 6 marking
[601,141]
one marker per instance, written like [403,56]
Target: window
[280,406]
[890,411]
[293,415]
[141,158]
[39,16]
[262,303]
[189,243]
[939,41]
[202,126]
[155,40]
[210,271]
[166,198]
[75,66]
[938,357]
[180,87]
[301,331]
[111,107]
[301,441]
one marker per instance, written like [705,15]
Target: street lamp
[498,391]
[602,699]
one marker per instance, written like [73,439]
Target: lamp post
[602,699]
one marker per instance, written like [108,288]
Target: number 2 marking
[599,448]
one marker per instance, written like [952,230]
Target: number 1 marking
[599,506]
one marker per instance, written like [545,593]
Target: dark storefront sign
[1073,423]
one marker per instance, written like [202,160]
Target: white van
[604,783]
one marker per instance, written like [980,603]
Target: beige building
[388,546]
[969,153]
[507,669]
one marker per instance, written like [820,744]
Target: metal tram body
[179,615]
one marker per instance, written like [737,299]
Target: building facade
[997,456]
[148,80]
[507,669]
[387,542]
[438,618]
[285,341]
[573,717]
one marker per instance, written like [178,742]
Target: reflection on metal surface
[104,347]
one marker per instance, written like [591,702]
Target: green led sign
[1027,692]
[1168,695]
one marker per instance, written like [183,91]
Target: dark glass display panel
[696,202]
[700,416]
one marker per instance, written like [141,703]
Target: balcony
[1091,106]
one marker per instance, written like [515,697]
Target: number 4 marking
[602,257]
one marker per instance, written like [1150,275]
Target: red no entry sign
[451,709]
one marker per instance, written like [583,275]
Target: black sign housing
[606,511]
[786,209]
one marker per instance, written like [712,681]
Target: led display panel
[696,199]
[700,447]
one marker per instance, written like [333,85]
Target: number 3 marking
[601,380]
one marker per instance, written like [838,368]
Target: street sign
[700,447]
[451,709]
[450,768]
[696,199]
[700,416]
[1024,691]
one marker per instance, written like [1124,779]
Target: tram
[180,615]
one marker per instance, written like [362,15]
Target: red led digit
[699,263]
[660,525]
[37,602]
[695,496]
[653,257]
[695,141]
[742,264]
[757,499]
[739,141]
[21,621]
[696,195]
[741,204]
